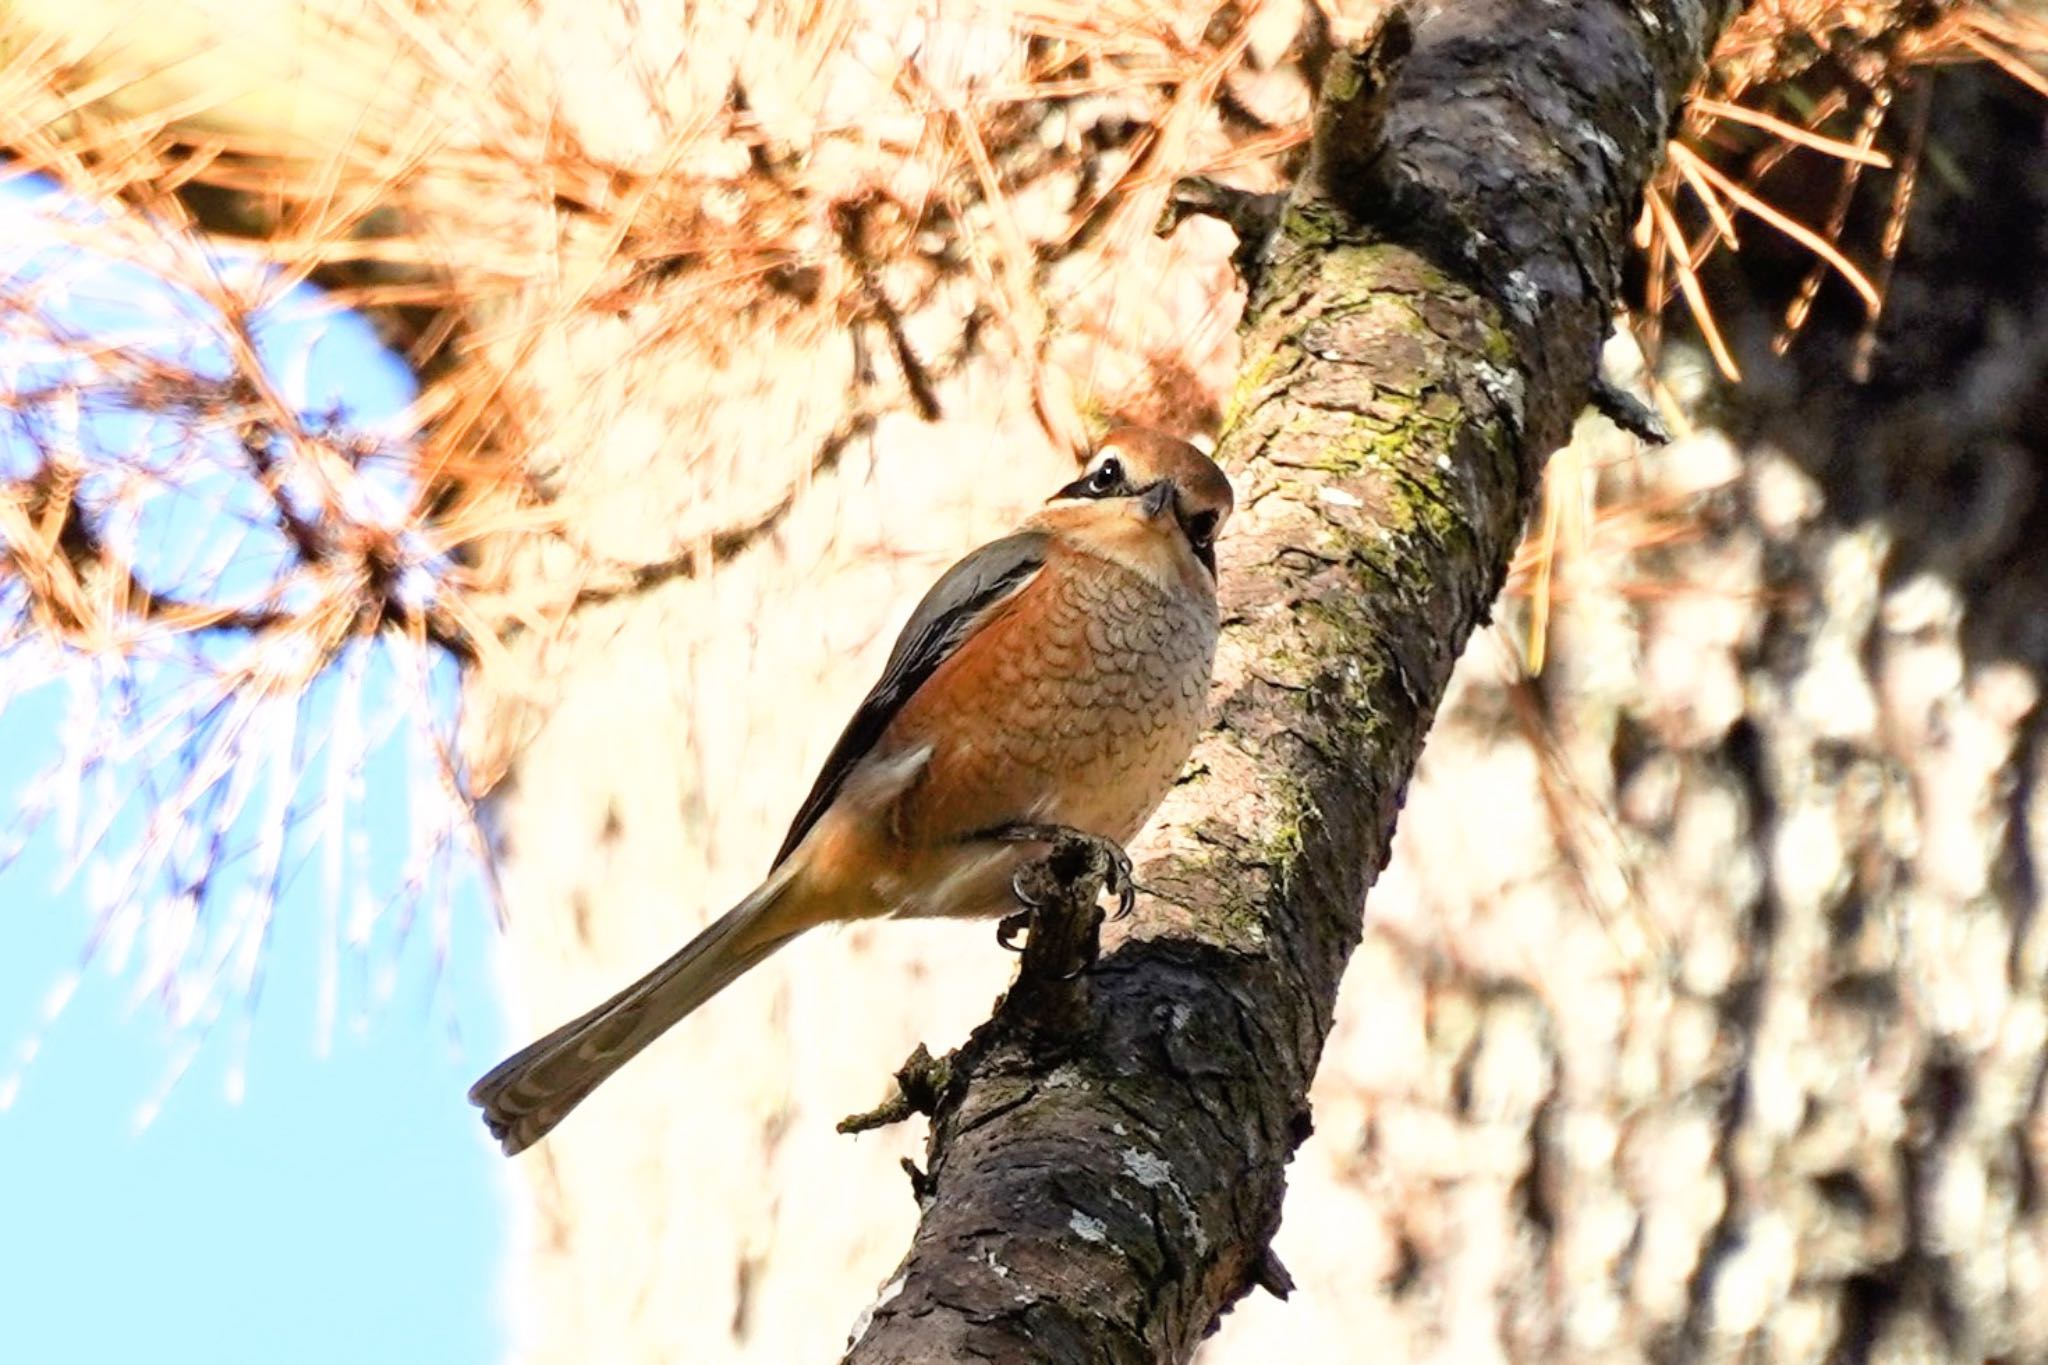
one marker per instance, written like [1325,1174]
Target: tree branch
[1424,332]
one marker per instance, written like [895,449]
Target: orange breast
[1077,705]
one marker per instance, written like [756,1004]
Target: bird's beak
[1157,499]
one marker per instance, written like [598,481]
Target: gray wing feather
[949,613]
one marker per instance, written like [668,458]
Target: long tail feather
[528,1093]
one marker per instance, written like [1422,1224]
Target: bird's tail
[531,1091]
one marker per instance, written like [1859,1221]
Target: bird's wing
[953,610]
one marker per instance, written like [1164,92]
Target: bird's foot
[1010,926]
[1075,853]
[1058,892]
[1085,954]
[1048,924]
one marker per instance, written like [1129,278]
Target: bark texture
[1422,333]
[1700,1014]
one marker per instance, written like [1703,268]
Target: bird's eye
[1108,476]
[1202,528]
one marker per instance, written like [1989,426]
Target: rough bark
[1422,333]
[1701,1009]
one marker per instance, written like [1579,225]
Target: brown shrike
[1052,681]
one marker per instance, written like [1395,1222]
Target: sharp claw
[1008,929]
[1119,874]
[1121,878]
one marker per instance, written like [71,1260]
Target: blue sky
[281,1167]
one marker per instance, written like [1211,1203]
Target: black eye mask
[1200,529]
[1110,480]
[1106,480]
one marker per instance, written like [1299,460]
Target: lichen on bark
[1422,328]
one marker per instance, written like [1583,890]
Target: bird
[1051,683]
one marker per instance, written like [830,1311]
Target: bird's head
[1164,482]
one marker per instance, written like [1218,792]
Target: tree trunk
[1701,1011]
[1423,329]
